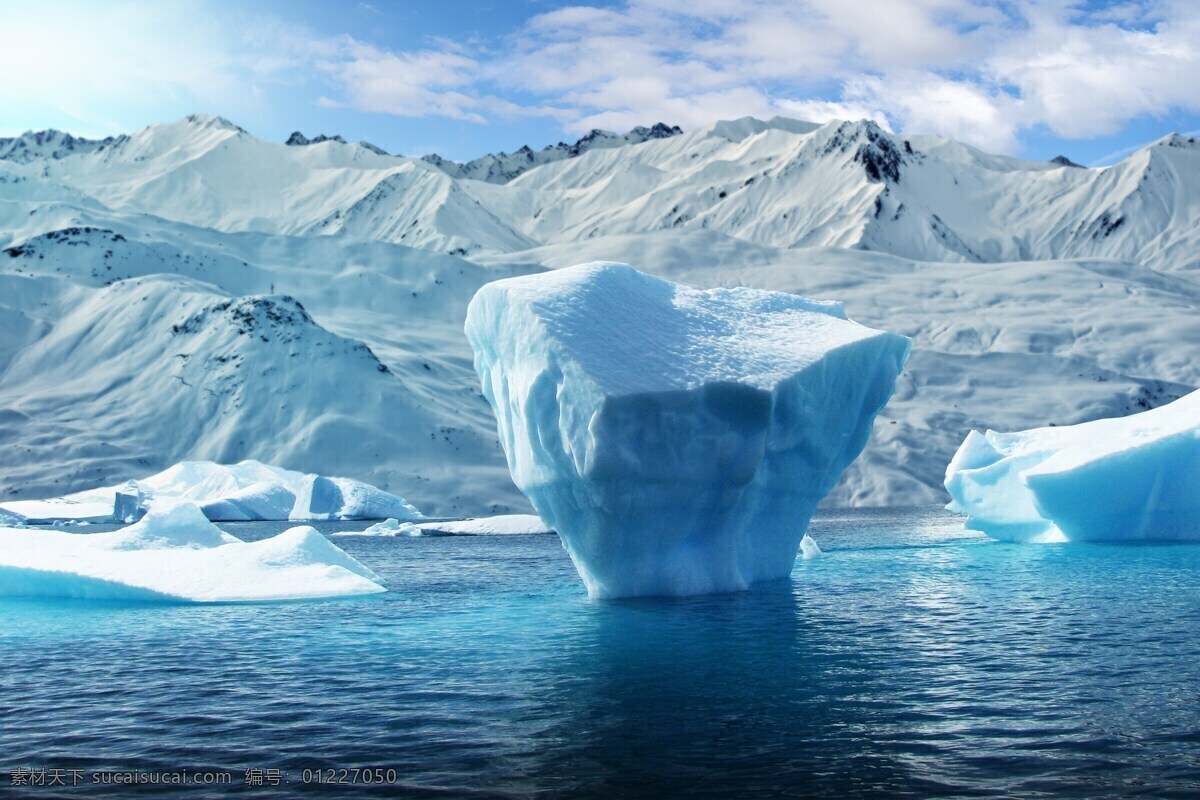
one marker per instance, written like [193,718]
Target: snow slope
[1034,292]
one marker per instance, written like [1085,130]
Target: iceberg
[175,554]
[249,490]
[319,497]
[678,440]
[262,500]
[1133,478]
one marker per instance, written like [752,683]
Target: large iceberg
[249,490]
[678,440]
[1133,478]
[175,554]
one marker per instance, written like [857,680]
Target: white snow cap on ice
[176,554]
[1133,478]
[677,439]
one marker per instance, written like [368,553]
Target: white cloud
[425,83]
[976,71]
[983,71]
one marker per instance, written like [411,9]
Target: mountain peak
[201,120]
[50,144]
[1063,161]
[503,167]
[298,139]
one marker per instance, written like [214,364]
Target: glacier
[677,439]
[246,491]
[1134,478]
[175,554]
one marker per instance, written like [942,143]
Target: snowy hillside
[781,183]
[192,292]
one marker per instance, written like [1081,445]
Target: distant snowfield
[191,292]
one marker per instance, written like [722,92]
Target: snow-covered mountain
[49,144]
[503,167]
[192,292]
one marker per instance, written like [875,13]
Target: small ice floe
[503,525]
[809,548]
[176,554]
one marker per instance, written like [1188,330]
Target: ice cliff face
[678,440]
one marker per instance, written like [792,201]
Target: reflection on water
[913,659]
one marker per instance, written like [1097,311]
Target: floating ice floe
[1133,478]
[809,547]
[504,525]
[175,554]
[678,440]
[246,491]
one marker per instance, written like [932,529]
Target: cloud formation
[983,71]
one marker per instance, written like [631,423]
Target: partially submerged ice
[678,440]
[1133,478]
[319,497]
[249,490]
[174,554]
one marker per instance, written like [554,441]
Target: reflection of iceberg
[176,554]
[1131,478]
[249,490]
[677,439]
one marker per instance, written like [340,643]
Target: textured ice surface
[262,500]
[176,554]
[249,490]
[320,497]
[1129,478]
[677,439]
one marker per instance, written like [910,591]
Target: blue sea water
[912,660]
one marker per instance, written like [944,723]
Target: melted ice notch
[678,440]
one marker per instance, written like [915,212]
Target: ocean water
[912,660]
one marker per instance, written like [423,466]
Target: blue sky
[464,77]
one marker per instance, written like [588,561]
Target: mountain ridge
[1035,292]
